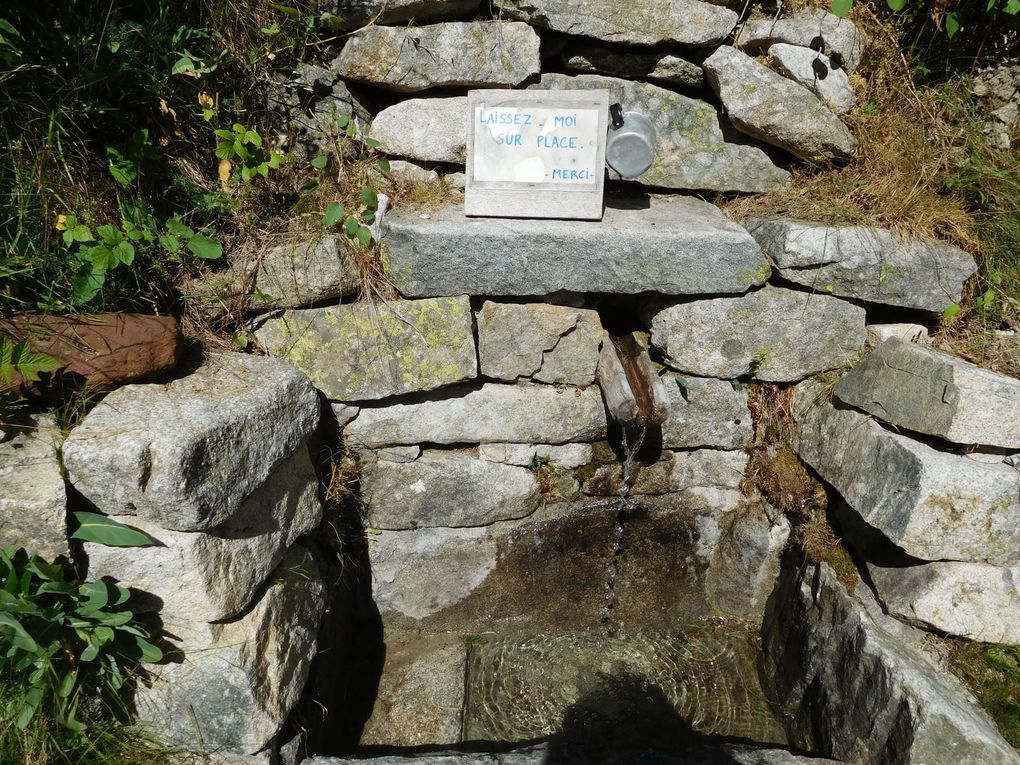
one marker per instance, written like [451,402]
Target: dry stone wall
[551,422]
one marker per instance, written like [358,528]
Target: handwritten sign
[536,154]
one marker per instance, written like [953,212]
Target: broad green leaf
[124,253]
[227,135]
[205,247]
[897,5]
[67,683]
[253,138]
[369,198]
[86,284]
[286,10]
[90,653]
[372,143]
[342,121]
[951,311]
[150,652]
[225,149]
[842,7]
[320,162]
[365,236]
[351,225]
[384,164]
[17,635]
[106,531]
[170,243]
[1012,7]
[275,159]
[183,65]
[30,364]
[97,595]
[334,212]
[952,24]
[308,186]
[176,227]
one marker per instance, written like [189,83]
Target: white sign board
[536,154]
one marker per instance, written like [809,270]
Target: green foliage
[93,527]
[63,640]
[966,11]
[243,147]
[18,357]
[357,220]
[992,672]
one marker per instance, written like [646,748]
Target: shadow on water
[627,719]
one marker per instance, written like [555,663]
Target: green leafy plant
[63,640]
[243,148]
[18,358]
[953,20]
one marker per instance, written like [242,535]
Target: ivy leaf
[106,531]
[334,212]
[205,247]
[842,7]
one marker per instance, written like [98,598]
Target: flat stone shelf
[670,245]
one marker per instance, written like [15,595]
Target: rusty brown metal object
[101,351]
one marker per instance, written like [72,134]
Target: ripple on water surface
[658,690]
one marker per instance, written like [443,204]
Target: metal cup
[630,148]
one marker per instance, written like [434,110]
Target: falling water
[630,469]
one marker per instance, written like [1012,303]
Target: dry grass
[905,154]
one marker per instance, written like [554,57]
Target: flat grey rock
[933,505]
[815,71]
[538,341]
[526,455]
[494,413]
[409,59]
[804,28]
[630,63]
[641,22]
[238,681]
[703,411]
[439,490]
[908,333]
[870,264]
[772,334]
[700,471]
[33,499]
[971,600]
[305,272]
[926,391]
[854,685]
[213,576]
[421,692]
[368,351]
[771,108]
[350,14]
[672,245]
[691,151]
[426,129]
[186,455]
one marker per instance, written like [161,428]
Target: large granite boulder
[408,59]
[522,413]
[33,499]
[838,38]
[441,489]
[186,455]
[214,575]
[426,129]
[231,685]
[350,14]
[870,264]
[628,63]
[671,245]
[972,600]
[538,341]
[920,389]
[932,504]
[690,149]
[815,71]
[641,22]
[367,351]
[776,110]
[854,684]
[772,334]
